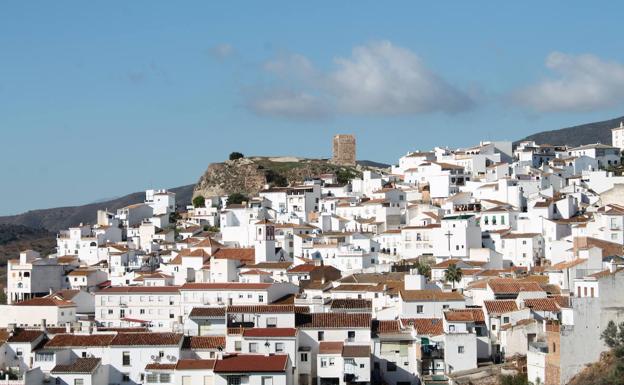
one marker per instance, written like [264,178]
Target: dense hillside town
[453,266]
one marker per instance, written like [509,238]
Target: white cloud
[289,104]
[378,79]
[581,83]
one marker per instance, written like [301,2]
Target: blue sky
[99,100]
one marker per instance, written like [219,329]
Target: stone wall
[344,150]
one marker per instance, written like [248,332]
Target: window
[267,380]
[125,377]
[419,309]
[460,350]
[323,362]
[493,327]
[237,346]
[234,380]
[152,378]
[391,366]
[304,357]
[125,358]
[260,298]
[351,335]
[279,346]
[253,347]
[451,328]
[165,377]
[321,336]
[271,322]
[78,381]
[18,352]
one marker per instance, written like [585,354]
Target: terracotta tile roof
[45,301]
[430,296]
[465,315]
[333,320]
[387,327]
[563,301]
[203,342]
[520,235]
[147,339]
[425,326]
[139,289]
[255,272]
[242,254]
[500,306]
[512,286]
[360,288]
[80,340]
[194,253]
[267,309]
[81,272]
[303,268]
[567,264]
[64,295]
[330,347]
[351,303]
[207,312]
[225,286]
[208,242]
[270,332]
[269,265]
[81,365]
[542,304]
[249,363]
[195,364]
[24,335]
[157,366]
[356,351]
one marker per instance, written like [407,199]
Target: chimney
[11,327]
[44,325]
[68,327]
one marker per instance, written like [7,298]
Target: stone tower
[344,150]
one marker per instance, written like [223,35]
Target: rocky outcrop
[250,175]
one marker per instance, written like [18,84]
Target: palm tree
[453,274]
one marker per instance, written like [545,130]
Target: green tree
[199,201]
[236,198]
[613,337]
[424,269]
[236,155]
[453,274]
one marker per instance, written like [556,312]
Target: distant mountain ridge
[58,218]
[597,132]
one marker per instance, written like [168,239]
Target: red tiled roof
[267,309]
[465,315]
[81,365]
[79,340]
[303,268]
[330,347]
[425,326]
[23,335]
[334,320]
[249,363]
[146,339]
[45,301]
[512,286]
[356,351]
[351,303]
[500,306]
[430,295]
[203,342]
[208,312]
[542,304]
[270,332]
[242,254]
[387,327]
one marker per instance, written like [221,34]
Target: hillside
[578,135]
[55,219]
[249,175]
